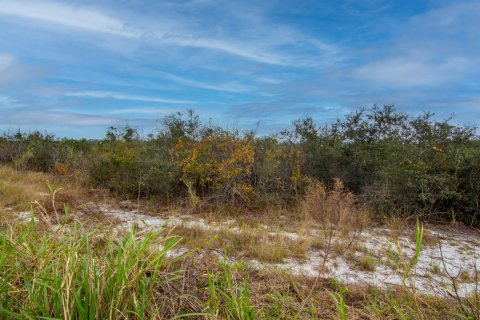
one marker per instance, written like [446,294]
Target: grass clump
[367,263]
[435,268]
[228,295]
[465,276]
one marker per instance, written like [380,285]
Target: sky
[75,68]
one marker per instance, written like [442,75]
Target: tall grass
[81,274]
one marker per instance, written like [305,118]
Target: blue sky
[76,67]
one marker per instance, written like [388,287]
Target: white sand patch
[26,216]
[389,255]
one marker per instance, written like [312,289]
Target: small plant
[465,276]
[435,268]
[229,297]
[340,304]
[418,248]
[393,256]
[367,263]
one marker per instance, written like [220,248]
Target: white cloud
[143,111]
[12,71]
[366,8]
[25,116]
[120,96]
[226,87]
[66,15]
[456,17]
[6,61]
[248,51]
[434,49]
[260,47]
[408,72]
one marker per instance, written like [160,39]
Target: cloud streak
[225,87]
[120,96]
[143,111]
[26,116]
[407,72]
[176,33]
[70,16]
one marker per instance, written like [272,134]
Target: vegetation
[84,275]
[337,215]
[79,267]
[394,163]
[76,272]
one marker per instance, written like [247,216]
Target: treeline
[393,162]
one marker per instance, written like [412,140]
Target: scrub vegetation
[392,162]
[318,193]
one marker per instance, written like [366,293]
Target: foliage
[392,162]
[221,163]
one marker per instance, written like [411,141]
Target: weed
[418,248]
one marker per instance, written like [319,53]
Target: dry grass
[367,263]
[20,189]
[27,191]
[248,243]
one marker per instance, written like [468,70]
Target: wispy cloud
[459,16]
[178,33]
[8,102]
[412,71]
[12,71]
[120,96]
[143,111]
[26,116]
[366,8]
[67,15]
[435,49]
[243,50]
[285,107]
[234,60]
[226,87]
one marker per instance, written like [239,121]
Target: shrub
[221,164]
[339,218]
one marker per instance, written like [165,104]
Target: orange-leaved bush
[221,164]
